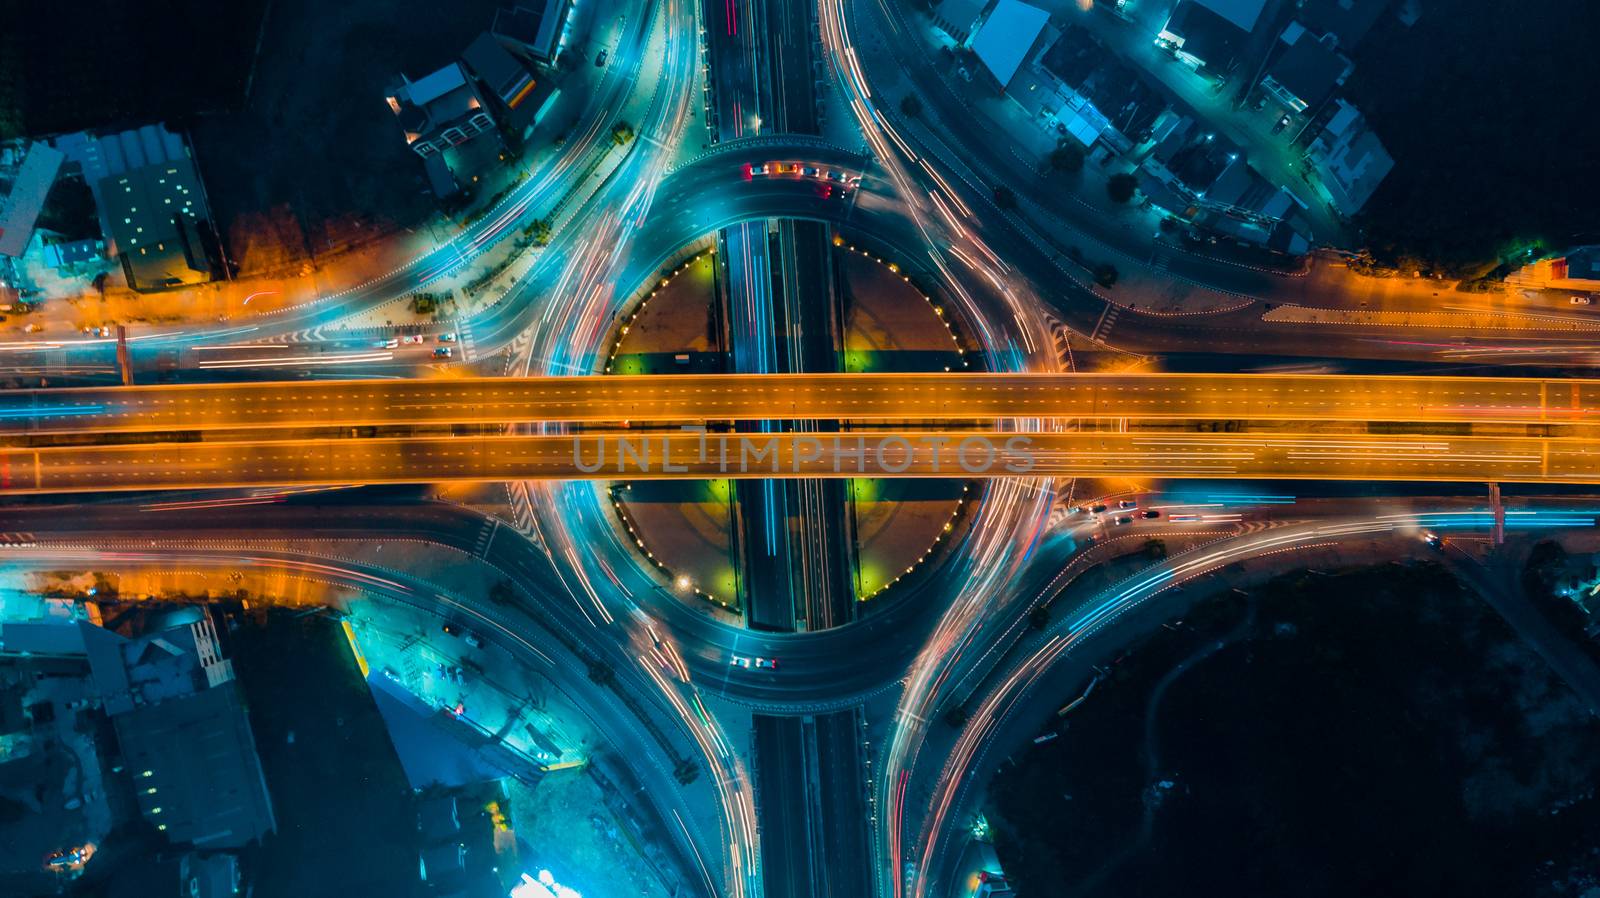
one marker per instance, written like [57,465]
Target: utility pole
[1499,509]
[124,360]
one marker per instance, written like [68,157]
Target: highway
[850,397]
[688,455]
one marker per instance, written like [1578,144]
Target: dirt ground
[338,172]
[567,829]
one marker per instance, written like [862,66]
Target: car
[472,639]
[451,629]
[443,352]
[412,338]
[1283,122]
[447,338]
[1580,300]
[754,663]
[1433,540]
[1124,519]
[1097,509]
[759,169]
[1150,514]
[810,171]
[600,60]
[391,343]
[1127,503]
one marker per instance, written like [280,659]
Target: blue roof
[1004,39]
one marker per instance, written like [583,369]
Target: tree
[622,133]
[1120,187]
[1066,157]
[956,717]
[1039,617]
[1004,198]
[910,106]
[1105,275]
[599,671]
[501,593]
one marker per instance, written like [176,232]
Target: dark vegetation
[1378,732]
[109,63]
[1488,110]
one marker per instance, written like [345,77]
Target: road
[687,455]
[851,397]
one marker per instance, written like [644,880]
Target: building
[1349,159]
[1577,269]
[1210,34]
[1007,38]
[1101,99]
[1306,69]
[1194,175]
[208,875]
[183,733]
[534,30]
[440,114]
[440,110]
[67,253]
[152,205]
[21,207]
[956,17]
[517,95]
[1348,20]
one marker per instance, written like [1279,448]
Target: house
[533,31]
[956,17]
[1349,159]
[1007,37]
[183,732]
[1348,20]
[20,209]
[1101,99]
[1581,267]
[1306,69]
[440,114]
[1210,34]
[1577,269]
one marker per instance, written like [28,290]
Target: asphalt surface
[684,455]
[813,396]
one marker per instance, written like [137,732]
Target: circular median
[688,530]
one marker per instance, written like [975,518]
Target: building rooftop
[498,70]
[957,16]
[20,209]
[1125,100]
[183,733]
[1350,159]
[534,28]
[1003,40]
[1308,68]
[1350,20]
[153,214]
[1207,35]
[1584,264]
[1242,14]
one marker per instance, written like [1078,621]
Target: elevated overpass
[899,453]
[846,397]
